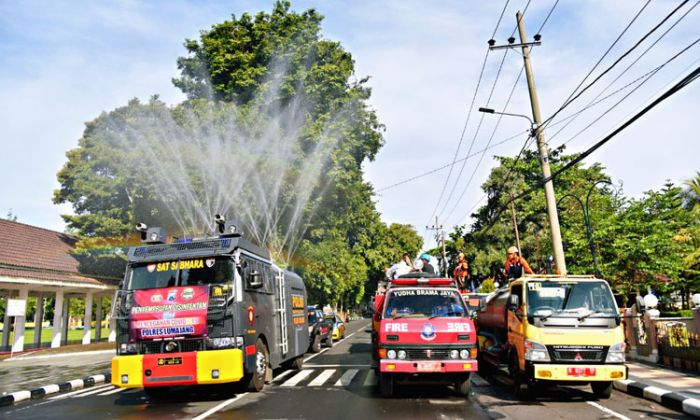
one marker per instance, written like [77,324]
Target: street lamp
[492,111]
[587,219]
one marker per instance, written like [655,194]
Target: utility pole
[557,246]
[515,224]
[440,238]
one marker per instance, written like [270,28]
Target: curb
[669,399]
[43,391]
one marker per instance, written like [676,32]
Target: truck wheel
[602,390]
[386,384]
[329,341]
[298,363]
[463,385]
[257,380]
[315,344]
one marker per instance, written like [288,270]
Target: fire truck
[209,311]
[422,332]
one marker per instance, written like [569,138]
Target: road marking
[607,410]
[114,391]
[323,377]
[92,391]
[80,391]
[298,378]
[371,379]
[328,348]
[336,366]
[218,407]
[346,378]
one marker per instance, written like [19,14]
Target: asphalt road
[338,383]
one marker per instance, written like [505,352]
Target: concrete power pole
[515,224]
[557,246]
[440,238]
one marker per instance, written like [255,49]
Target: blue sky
[63,63]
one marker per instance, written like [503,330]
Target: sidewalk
[676,389]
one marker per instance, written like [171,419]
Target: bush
[684,313]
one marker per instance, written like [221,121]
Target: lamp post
[587,219]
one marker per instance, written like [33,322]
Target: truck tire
[298,363]
[315,344]
[463,385]
[262,364]
[386,384]
[602,390]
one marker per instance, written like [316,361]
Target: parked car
[320,329]
[338,328]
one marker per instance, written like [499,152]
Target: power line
[432,171]
[609,68]
[692,76]
[469,114]
[594,101]
[547,18]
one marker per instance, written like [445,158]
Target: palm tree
[691,194]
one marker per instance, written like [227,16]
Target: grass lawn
[46,334]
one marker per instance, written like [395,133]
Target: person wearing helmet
[515,264]
[427,267]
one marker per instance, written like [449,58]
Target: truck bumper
[579,373]
[173,369]
[428,366]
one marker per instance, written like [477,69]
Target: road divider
[669,399]
[43,391]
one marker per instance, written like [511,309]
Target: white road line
[283,375]
[80,391]
[607,410]
[317,354]
[92,391]
[323,377]
[303,374]
[339,341]
[336,366]
[114,391]
[219,407]
[371,379]
[346,378]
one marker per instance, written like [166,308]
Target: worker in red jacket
[516,265]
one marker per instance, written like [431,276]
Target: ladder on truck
[282,310]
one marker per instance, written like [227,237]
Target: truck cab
[554,329]
[422,332]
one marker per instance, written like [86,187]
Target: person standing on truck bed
[461,272]
[427,267]
[515,264]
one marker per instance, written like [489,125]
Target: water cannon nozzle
[141,227]
[219,219]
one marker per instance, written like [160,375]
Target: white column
[57,319]
[87,321]
[18,344]
[66,320]
[6,324]
[98,319]
[38,319]
[112,322]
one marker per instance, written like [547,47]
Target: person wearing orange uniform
[461,272]
[516,265]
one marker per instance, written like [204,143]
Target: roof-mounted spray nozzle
[154,235]
[226,227]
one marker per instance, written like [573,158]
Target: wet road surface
[339,383]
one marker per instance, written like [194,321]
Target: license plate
[429,366]
[169,361]
[580,371]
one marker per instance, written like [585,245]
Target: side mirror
[254,280]
[513,302]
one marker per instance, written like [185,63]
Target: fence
[673,342]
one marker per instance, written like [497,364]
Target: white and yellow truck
[554,330]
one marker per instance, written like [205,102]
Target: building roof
[30,252]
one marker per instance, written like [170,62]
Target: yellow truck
[554,330]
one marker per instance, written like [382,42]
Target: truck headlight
[222,342]
[616,353]
[127,348]
[391,354]
[401,354]
[464,354]
[535,352]
[454,354]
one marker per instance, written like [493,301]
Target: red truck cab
[423,332]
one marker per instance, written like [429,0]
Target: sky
[62,63]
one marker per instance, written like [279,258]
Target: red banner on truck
[169,312]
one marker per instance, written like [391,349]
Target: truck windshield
[183,272]
[418,303]
[570,299]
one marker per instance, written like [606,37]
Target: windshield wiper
[397,316]
[582,317]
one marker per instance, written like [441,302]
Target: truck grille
[153,347]
[427,354]
[577,354]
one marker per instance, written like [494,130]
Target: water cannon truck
[210,311]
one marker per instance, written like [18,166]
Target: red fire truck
[422,332]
